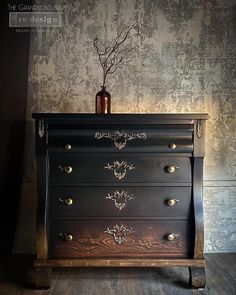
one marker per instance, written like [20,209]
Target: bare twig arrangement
[113,54]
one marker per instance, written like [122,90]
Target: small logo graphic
[34,19]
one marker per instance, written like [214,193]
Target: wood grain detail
[149,238]
[197,277]
[118,262]
[85,247]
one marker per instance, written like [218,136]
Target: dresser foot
[42,278]
[197,277]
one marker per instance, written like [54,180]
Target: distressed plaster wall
[191,67]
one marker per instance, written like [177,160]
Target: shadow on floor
[18,269]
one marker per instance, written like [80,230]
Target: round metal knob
[171,168]
[68,237]
[172,146]
[68,201]
[68,169]
[172,202]
[172,237]
[68,147]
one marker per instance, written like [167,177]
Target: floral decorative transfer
[119,168]
[120,198]
[41,128]
[119,232]
[199,128]
[120,138]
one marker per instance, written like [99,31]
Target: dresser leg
[42,278]
[197,277]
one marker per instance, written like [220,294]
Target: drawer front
[172,202]
[156,139]
[119,168]
[114,238]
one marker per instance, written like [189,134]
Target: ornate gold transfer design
[199,128]
[41,128]
[120,198]
[119,232]
[119,168]
[120,138]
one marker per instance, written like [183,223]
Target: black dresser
[120,190]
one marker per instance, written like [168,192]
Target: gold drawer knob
[172,146]
[66,169]
[68,147]
[171,168]
[172,237]
[67,201]
[172,202]
[66,237]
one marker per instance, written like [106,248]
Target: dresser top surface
[117,118]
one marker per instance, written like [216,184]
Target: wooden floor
[16,278]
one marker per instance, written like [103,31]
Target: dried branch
[112,55]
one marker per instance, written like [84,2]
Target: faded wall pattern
[190,67]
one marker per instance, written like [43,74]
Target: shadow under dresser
[120,190]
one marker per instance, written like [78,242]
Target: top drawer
[159,138]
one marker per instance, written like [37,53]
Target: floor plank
[17,277]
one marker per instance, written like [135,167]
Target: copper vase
[103,101]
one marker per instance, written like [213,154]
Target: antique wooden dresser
[120,190]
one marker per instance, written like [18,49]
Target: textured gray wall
[191,67]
